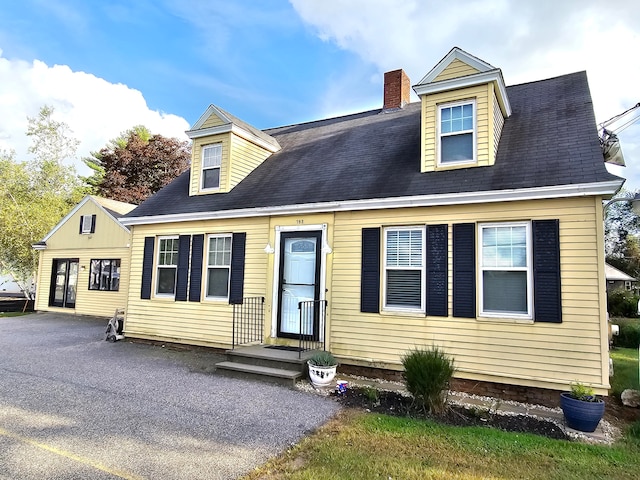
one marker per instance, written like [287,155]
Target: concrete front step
[259,372]
[269,358]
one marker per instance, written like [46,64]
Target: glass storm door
[64,280]
[299,282]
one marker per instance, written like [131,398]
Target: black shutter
[195,282]
[183,267]
[81,221]
[437,272]
[464,270]
[237,268]
[93,223]
[147,267]
[370,274]
[547,304]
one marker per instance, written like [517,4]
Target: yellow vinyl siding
[484,154]
[245,157]
[88,302]
[207,322]
[196,163]
[110,241]
[539,354]
[455,69]
[212,121]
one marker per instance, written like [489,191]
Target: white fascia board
[459,54]
[539,193]
[468,81]
[241,132]
[208,112]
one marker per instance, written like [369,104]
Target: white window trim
[474,133]
[423,276]
[528,269]
[85,230]
[158,267]
[203,168]
[207,266]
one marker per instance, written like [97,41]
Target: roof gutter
[512,195]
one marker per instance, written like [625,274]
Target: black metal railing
[313,325]
[248,321]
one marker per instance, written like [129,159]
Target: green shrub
[622,303]
[629,336]
[323,359]
[427,373]
[633,433]
[582,392]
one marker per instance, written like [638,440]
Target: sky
[105,66]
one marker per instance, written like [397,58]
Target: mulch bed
[393,403]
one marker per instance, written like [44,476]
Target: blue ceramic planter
[581,415]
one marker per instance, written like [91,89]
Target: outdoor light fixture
[269,249]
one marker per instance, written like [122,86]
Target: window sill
[216,299]
[407,312]
[487,319]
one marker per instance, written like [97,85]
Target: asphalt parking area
[74,406]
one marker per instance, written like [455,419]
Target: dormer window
[211,161]
[456,132]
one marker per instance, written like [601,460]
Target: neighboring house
[618,280]
[471,220]
[84,260]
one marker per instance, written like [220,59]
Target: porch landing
[265,363]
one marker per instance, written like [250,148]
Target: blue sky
[108,65]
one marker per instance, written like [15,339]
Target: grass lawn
[13,314]
[358,445]
[625,370]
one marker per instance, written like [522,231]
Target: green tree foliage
[622,233]
[35,194]
[135,165]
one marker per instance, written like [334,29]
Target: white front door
[299,281]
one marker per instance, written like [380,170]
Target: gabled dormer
[225,150]
[464,105]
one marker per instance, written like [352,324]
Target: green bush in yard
[427,373]
[622,303]
[629,336]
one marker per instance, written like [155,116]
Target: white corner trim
[492,196]
[468,81]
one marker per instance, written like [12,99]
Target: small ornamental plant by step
[582,392]
[323,359]
[427,373]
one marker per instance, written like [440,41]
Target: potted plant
[322,368]
[582,409]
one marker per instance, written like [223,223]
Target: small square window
[404,268]
[211,162]
[456,133]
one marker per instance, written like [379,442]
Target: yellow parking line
[69,455]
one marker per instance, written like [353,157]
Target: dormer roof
[230,123]
[484,73]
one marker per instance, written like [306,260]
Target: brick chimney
[397,89]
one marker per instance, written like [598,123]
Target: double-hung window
[167,266]
[218,266]
[456,133]
[105,275]
[404,268]
[506,274]
[211,161]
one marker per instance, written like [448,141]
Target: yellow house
[471,219]
[83,263]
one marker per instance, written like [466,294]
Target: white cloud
[528,40]
[95,110]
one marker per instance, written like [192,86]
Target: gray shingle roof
[549,140]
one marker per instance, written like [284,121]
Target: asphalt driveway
[74,406]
